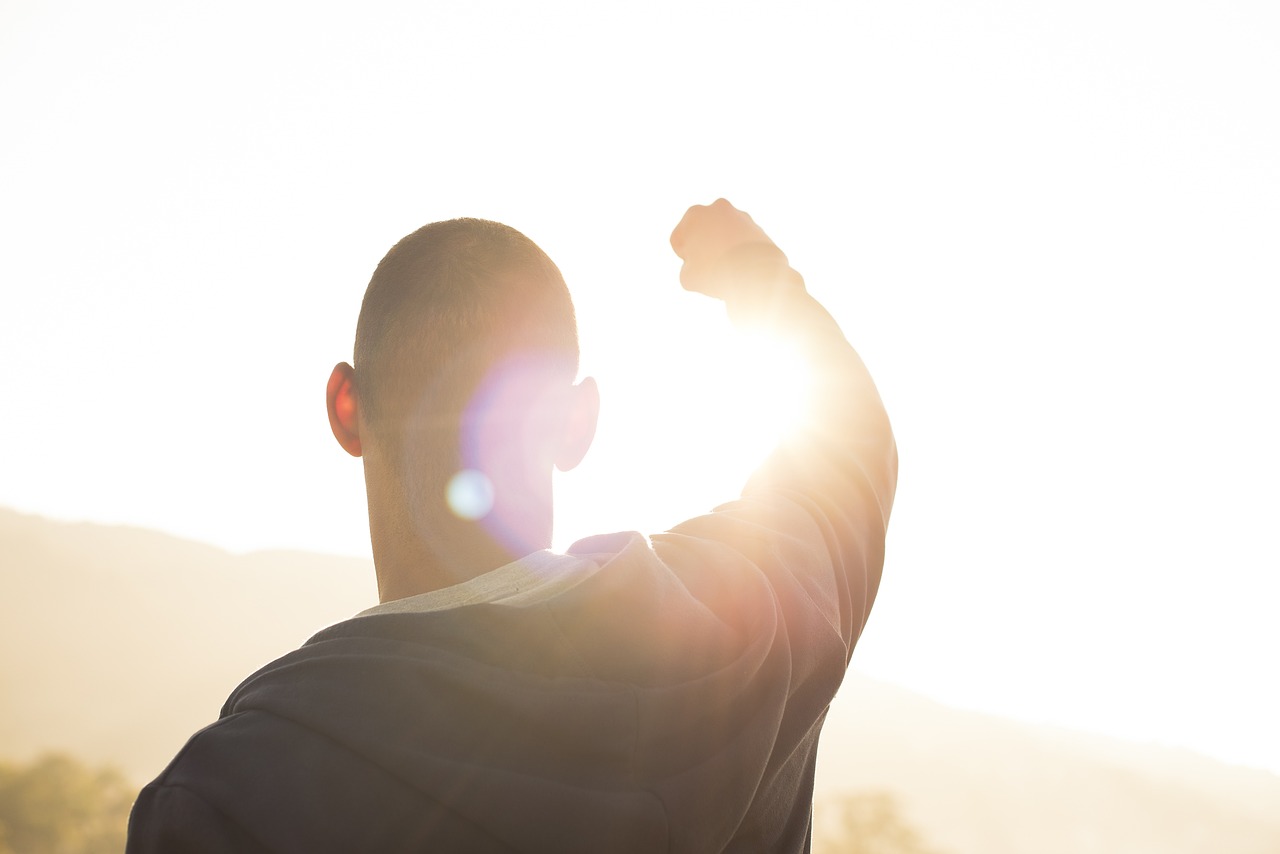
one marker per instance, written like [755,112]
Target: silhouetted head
[461,400]
[447,302]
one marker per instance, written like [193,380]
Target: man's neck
[407,566]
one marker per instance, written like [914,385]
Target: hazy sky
[1052,229]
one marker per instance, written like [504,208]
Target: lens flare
[470,495]
[507,431]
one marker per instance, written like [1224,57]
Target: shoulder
[193,805]
[171,818]
[256,782]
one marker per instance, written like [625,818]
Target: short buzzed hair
[447,303]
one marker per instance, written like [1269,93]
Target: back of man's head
[461,401]
[448,303]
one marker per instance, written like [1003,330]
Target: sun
[771,390]
[691,446]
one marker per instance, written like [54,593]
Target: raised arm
[815,514]
[727,256]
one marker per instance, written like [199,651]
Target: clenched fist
[726,254]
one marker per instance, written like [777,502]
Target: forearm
[813,518]
[845,452]
[845,414]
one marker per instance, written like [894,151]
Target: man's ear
[580,427]
[344,408]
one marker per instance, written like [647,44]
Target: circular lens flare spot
[470,494]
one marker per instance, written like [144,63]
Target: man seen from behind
[631,695]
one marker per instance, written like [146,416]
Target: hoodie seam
[227,817]
[389,773]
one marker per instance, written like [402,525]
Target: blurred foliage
[57,805]
[864,823]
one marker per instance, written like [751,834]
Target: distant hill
[979,784]
[117,643]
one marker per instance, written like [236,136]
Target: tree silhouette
[864,823]
[57,805]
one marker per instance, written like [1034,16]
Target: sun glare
[769,393]
[726,401]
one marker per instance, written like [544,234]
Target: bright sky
[1052,230]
